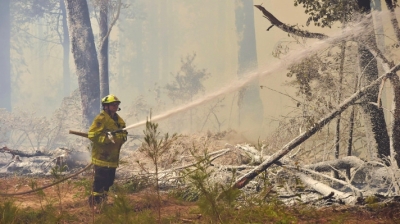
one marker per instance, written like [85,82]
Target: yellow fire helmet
[110,99]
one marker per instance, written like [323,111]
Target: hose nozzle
[110,136]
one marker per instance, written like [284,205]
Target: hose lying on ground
[49,185]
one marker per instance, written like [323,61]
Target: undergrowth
[210,200]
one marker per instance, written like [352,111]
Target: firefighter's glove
[122,135]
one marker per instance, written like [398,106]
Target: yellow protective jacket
[104,152]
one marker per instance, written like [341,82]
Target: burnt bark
[374,116]
[393,19]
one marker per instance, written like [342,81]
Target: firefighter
[107,138]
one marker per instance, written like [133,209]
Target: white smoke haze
[145,53]
[351,32]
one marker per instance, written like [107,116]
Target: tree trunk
[5,71]
[395,132]
[347,162]
[66,50]
[394,79]
[374,117]
[85,57]
[351,130]
[103,51]
[325,190]
[249,102]
[393,18]
[339,99]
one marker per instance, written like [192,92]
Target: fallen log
[324,189]
[356,191]
[337,164]
[14,153]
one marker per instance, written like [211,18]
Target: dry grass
[139,208]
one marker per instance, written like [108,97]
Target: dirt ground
[69,198]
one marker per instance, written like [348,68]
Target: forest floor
[68,204]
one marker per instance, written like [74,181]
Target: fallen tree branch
[343,163]
[14,153]
[349,185]
[324,189]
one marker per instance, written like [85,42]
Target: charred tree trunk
[395,135]
[374,116]
[394,79]
[85,57]
[395,23]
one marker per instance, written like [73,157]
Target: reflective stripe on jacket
[104,152]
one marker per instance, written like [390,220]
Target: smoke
[351,31]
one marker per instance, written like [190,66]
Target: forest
[252,111]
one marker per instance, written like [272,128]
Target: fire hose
[49,185]
[58,181]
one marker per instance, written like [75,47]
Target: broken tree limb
[242,181]
[286,28]
[14,153]
[343,163]
[347,184]
[323,189]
